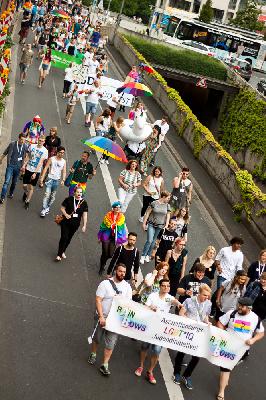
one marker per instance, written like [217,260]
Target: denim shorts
[91,108]
[153,348]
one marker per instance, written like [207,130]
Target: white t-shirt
[94,96]
[242,325]
[164,127]
[162,305]
[87,57]
[68,74]
[92,65]
[35,154]
[107,293]
[136,147]
[230,261]
[56,168]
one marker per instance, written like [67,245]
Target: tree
[206,14]
[132,7]
[248,17]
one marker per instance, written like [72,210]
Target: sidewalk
[205,187]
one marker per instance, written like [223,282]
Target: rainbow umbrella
[106,146]
[146,68]
[60,14]
[135,88]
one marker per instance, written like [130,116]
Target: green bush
[244,127]
[184,60]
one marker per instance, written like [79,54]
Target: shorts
[23,67]
[91,108]
[70,109]
[109,338]
[27,178]
[44,67]
[154,348]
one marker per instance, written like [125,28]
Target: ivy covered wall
[243,127]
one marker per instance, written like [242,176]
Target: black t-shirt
[259,305]
[191,282]
[43,39]
[128,257]
[167,239]
[81,207]
[209,272]
[255,270]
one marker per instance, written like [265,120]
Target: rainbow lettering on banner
[128,319]
[241,326]
[220,348]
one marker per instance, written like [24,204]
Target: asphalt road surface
[47,308]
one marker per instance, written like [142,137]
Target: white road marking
[174,391]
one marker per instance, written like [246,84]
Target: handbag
[58,219]
[70,175]
[137,295]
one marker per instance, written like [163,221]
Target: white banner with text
[136,321]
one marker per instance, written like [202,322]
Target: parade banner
[109,86]
[136,321]
[62,60]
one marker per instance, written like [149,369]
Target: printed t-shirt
[167,239]
[35,154]
[230,261]
[130,179]
[242,325]
[191,282]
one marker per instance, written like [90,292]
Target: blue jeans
[50,192]
[220,280]
[152,234]
[12,172]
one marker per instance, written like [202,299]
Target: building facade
[224,10]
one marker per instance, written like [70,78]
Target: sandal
[218,397]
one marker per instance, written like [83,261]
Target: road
[47,308]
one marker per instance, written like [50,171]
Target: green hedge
[244,127]
[184,60]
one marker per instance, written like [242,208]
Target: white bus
[225,40]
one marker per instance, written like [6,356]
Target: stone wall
[218,167]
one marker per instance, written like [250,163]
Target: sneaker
[187,382]
[102,161]
[177,379]
[104,370]
[92,359]
[43,213]
[138,371]
[107,162]
[2,201]
[26,206]
[141,219]
[142,260]
[10,196]
[150,377]
[24,196]
[64,256]
[147,259]
[47,211]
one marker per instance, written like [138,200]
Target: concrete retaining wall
[218,167]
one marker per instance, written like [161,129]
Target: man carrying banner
[104,297]
[244,323]
[197,308]
[158,301]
